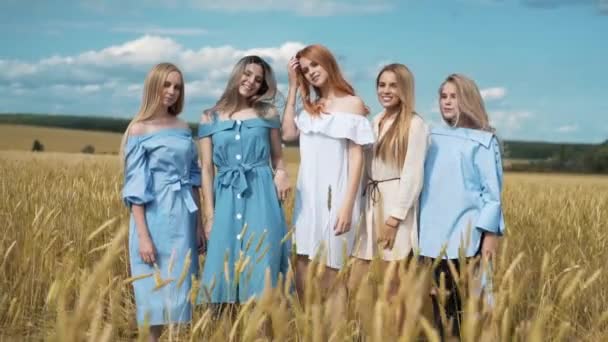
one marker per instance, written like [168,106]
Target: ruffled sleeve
[354,127]
[195,169]
[137,187]
[488,162]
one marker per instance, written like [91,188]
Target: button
[238,157]
[238,196]
[238,236]
[237,137]
[238,122]
[239,216]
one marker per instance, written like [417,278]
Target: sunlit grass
[64,268]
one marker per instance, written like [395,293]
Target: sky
[541,65]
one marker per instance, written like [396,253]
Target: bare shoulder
[138,128]
[181,124]
[354,104]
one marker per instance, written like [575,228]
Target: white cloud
[567,129]
[491,94]
[509,122]
[115,74]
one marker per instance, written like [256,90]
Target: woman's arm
[281,177]
[208,176]
[412,173]
[355,169]
[289,129]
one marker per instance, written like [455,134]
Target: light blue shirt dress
[461,195]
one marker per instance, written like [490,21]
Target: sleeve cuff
[490,218]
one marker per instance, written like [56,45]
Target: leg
[301,273]
[357,273]
[155,332]
[452,305]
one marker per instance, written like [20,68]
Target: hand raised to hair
[292,71]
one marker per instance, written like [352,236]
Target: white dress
[323,181]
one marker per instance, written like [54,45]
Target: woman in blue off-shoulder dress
[245,226]
[161,189]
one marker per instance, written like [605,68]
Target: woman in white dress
[333,130]
[393,178]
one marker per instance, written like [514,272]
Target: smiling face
[172,88]
[251,80]
[448,101]
[388,90]
[314,73]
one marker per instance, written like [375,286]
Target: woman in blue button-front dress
[245,225]
[161,189]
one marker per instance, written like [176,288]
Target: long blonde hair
[392,147]
[471,109]
[263,102]
[152,98]
[321,55]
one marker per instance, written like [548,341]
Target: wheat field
[64,272]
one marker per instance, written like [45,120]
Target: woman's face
[388,90]
[251,80]
[314,73]
[448,101]
[172,88]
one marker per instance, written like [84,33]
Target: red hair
[321,55]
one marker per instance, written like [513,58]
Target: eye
[167,84]
[258,80]
[313,64]
[305,70]
[178,87]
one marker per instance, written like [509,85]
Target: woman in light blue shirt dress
[460,204]
[161,189]
[245,224]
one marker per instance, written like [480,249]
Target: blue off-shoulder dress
[245,246]
[160,170]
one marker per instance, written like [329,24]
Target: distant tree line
[538,156]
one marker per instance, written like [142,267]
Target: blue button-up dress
[245,247]
[461,195]
[160,170]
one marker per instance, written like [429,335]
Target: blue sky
[541,64]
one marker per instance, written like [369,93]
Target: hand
[281,182]
[200,239]
[147,252]
[344,221]
[208,226]
[293,68]
[489,245]
[387,233]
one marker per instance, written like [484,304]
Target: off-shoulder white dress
[323,181]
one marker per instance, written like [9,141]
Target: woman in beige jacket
[394,173]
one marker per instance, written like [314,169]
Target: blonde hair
[392,147]
[152,98]
[263,102]
[321,55]
[471,110]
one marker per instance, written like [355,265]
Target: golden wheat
[64,268]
